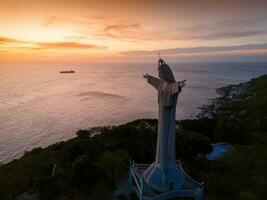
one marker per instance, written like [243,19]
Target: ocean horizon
[40,106]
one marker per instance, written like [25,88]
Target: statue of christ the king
[163,174]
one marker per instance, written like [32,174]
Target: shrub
[84,172]
[82,133]
[189,145]
[232,130]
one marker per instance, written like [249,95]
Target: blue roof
[218,150]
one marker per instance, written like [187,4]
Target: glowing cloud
[118,29]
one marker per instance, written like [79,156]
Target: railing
[138,180]
[175,194]
[196,183]
[57,170]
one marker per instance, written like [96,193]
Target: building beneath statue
[164,178]
[188,186]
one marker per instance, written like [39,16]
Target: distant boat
[68,71]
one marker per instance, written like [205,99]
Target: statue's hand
[145,75]
[182,83]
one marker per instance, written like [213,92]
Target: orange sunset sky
[122,31]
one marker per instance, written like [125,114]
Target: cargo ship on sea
[67,71]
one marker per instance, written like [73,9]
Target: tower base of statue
[163,180]
[149,182]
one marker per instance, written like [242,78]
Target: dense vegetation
[91,165]
[242,121]
[88,165]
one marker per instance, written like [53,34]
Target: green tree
[233,131]
[241,174]
[84,172]
[189,145]
[112,164]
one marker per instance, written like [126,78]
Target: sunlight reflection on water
[40,106]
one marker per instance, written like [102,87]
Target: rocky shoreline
[230,93]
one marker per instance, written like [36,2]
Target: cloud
[180,51]
[50,21]
[239,22]
[226,35]
[122,27]
[207,35]
[135,32]
[14,7]
[114,27]
[102,26]
[220,29]
[223,29]
[7,40]
[97,26]
[228,24]
[130,32]
[62,20]
[68,45]
[79,21]
[48,45]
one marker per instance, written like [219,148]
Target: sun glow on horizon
[65,30]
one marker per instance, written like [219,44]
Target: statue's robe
[164,167]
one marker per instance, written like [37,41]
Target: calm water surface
[40,106]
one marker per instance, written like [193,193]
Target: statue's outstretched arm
[155,82]
[177,87]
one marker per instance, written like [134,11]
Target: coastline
[228,93]
[39,118]
[211,110]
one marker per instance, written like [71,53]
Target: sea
[40,106]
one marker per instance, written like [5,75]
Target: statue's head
[165,72]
